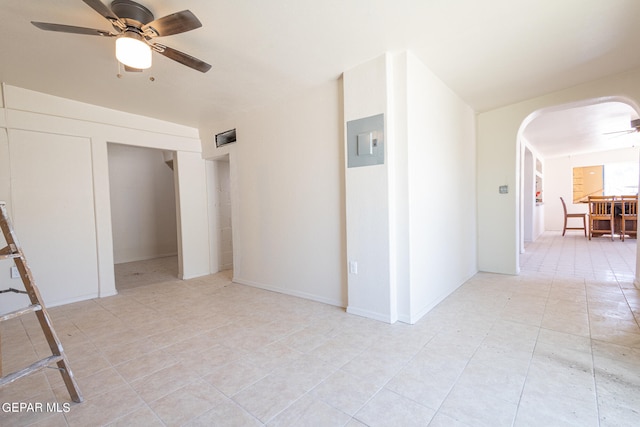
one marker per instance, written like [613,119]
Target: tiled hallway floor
[558,345]
[141,273]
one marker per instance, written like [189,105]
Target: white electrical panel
[365,141]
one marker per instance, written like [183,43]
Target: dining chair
[601,215]
[573,215]
[629,214]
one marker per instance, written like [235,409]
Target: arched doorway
[600,127]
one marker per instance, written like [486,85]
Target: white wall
[559,181]
[220,229]
[287,194]
[411,222]
[296,205]
[190,180]
[498,164]
[54,217]
[143,204]
[442,191]
[369,197]
[67,143]
[224,228]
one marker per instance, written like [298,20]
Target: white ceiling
[584,129]
[491,53]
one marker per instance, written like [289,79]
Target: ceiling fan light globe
[132,51]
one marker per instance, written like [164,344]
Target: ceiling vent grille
[224,138]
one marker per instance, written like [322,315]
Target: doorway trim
[213,211]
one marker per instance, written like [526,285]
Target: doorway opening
[143,215]
[553,142]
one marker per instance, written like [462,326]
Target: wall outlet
[353,267]
[15,274]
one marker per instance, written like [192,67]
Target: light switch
[503,189]
[365,144]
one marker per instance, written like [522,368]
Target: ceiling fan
[135,28]
[635,127]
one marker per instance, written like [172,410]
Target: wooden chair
[573,215]
[601,215]
[629,214]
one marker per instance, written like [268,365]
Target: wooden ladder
[14,251]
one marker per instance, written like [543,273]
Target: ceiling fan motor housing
[132,13]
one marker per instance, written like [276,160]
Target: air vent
[224,138]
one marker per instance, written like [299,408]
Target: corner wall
[286,181]
[441,193]
[411,224]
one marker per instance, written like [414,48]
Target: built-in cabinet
[538,181]
[532,195]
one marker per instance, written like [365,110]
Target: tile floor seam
[338,409]
[293,403]
[453,385]
[264,423]
[242,388]
[148,404]
[383,386]
[144,405]
[629,305]
[66,415]
[439,409]
[526,375]
[593,364]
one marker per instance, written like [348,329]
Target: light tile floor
[558,345]
[141,273]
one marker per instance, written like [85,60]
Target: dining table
[606,209]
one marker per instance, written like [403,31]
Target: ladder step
[40,364]
[20,312]
[13,250]
[9,252]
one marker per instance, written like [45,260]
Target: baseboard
[72,300]
[285,291]
[148,257]
[192,276]
[369,314]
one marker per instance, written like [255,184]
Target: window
[621,178]
[612,179]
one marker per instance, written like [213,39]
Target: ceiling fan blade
[181,57]
[103,10]
[621,132]
[175,23]
[72,29]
